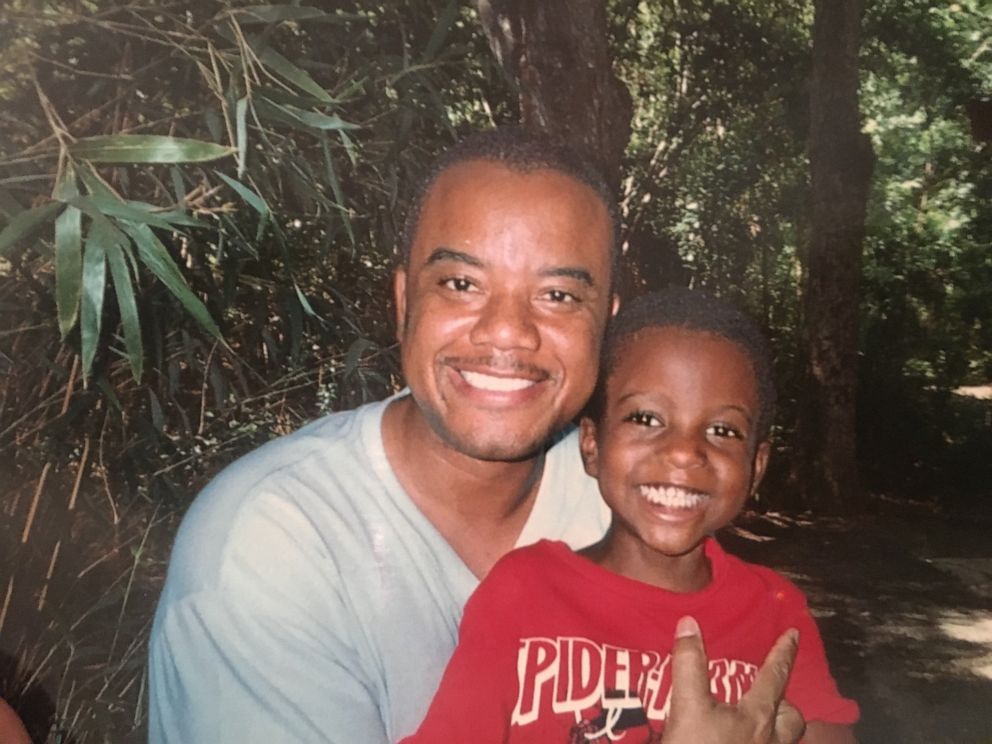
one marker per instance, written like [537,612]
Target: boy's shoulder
[761,578]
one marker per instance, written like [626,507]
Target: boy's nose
[506,322]
[683,450]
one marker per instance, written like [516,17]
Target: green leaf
[332,178]
[24,224]
[68,254]
[155,256]
[440,32]
[113,207]
[253,199]
[290,72]
[298,117]
[128,308]
[94,283]
[241,121]
[277,13]
[68,266]
[146,148]
[354,355]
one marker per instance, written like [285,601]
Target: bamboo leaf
[290,72]
[94,283]
[146,148]
[112,207]
[440,32]
[278,13]
[24,224]
[298,118]
[124,290]
[68,266]
[253,199]
[155,256]
[241,122]
[68,254]
[354,355]
[332,178]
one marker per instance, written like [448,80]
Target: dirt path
[904,602]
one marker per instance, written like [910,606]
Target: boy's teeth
[672,496]
[496,384]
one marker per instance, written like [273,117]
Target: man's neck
[479,506]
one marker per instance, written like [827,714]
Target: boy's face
[675,452]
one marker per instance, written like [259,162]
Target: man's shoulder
[290,484]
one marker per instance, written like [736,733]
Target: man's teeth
[496,384]
[672,496]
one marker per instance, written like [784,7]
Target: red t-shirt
[553,648]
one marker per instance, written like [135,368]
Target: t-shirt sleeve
[266,655]
[475,699]
[811,687]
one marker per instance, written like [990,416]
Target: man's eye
[643,418]
[724,430]
[457,284]
[560,295]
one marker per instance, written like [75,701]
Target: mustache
[498,363]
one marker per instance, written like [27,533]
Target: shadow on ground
[904,602]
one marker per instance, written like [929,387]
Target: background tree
[556,55]
[841,163]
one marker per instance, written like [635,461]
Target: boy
[557,646]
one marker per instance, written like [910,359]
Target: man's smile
[492,383]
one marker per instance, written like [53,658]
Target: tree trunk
[841,163]
[556,53]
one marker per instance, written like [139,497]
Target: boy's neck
[691,572]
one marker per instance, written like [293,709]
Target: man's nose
[506,321]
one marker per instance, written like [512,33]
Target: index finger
[769,684]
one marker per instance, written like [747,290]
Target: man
[316,585]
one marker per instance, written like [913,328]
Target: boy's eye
[724,430]
[643,418]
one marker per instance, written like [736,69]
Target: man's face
[502,306]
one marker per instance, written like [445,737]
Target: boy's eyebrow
[450,254]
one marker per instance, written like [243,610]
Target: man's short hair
[677,307]
[521,150]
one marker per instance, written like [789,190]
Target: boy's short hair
[522,150]
[694,311]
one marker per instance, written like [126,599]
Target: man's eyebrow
[572,272]
[449,254]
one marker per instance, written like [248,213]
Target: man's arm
[266,652]
[762,716]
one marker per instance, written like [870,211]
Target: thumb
[690,671]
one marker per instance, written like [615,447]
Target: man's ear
[760,464]
[399,296]
[588,446]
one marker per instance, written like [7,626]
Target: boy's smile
[674,452]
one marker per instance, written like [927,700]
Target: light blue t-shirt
[309,600]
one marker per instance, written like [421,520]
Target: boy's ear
[587,446]
[760,464]
[399,295]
